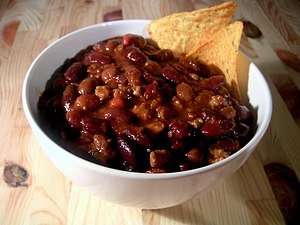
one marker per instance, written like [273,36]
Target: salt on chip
[222,53]
[182,32]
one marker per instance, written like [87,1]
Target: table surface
[47,197]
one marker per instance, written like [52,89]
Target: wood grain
[285,17]
[290,94]
[88,209]
[133,9]
[243,198]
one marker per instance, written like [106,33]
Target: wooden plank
[246,187]
[22,204]
[135,9]
[41,201]
[285,17]
[3,7]
[85,208]
[268,62]
[78,14]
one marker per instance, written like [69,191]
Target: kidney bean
[151,90]
[74,118]
[160,158]
[136,56]
[170,74]
[74,73]
[118,115]
[111,45]
[69,96]
[96,57]
[215,127]
[135,40]
[120,80]
[195,155]
[194,66]
[151,43]
[87,102]
[178,130]
[131,69]
[212,83]
[132,74]
[184,92]
[87,86]
[103,152]
[227,125]
[152,67]
[109,73]
[94,125]
[148,77]
[128,39]
[181,70]
[137,135]
[127,153]
[163,55]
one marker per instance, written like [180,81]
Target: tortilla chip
[181,32]
[222,53]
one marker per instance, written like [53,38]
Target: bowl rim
[137,175]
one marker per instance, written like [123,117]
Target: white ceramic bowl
[129,188]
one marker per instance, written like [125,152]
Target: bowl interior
[254,84]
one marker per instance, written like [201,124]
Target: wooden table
[47,197]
